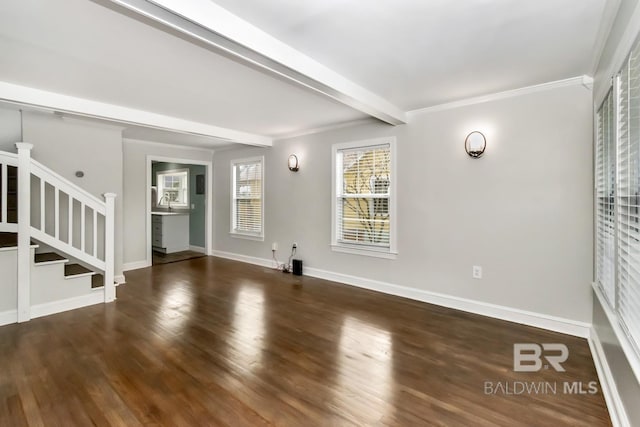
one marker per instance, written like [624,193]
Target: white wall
[136,193]
[523,211]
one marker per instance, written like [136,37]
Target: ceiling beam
[209,23]
[52,101]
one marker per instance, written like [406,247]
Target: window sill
[365,252]
[246,236]
[628,347]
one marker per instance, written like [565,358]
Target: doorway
[179,210]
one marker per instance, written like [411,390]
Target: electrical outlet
[295,245]
[274,246]
[477,272]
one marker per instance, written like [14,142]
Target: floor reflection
[365,365]
[247,338]
[175,311]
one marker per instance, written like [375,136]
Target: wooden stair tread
[75,270]
[10,240]
[49,257]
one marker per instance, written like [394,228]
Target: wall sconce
[293,163]
[475,144]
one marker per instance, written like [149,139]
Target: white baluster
[95,233]
[56,213]
[82,227]
[24,231]
[70,220]
[109,248]
[5,193]
[42,205]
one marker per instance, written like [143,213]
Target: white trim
[135,265]
[529,318]
[627,346]
[120,280]
[322,129]
[243,258]
[625,44]
[391,252]
[46,309]
[24,95]
[198,249]
[208,227]
[372,252]
[76,276]
[58,261]
[232,231]
[8,317]
[205,21]
[610,391]
[202,149]
[580,80]
[606,24]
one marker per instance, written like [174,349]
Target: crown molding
[584,80]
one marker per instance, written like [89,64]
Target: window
[605,189]
[617,185]
[173,188]
[363,198]
[247,188]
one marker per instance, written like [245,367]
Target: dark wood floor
[215,342]
[162,258]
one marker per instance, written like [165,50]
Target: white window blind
[605,192]
[247,194]
[363,178]
[628,196]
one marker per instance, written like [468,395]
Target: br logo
[527,357]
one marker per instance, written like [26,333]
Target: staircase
[56,241]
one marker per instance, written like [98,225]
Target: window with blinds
[617,185]
[605,192]
[628,193]
[363,199]
[247,188]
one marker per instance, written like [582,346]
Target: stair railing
[61,225]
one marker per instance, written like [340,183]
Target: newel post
[24,231]
[109,248]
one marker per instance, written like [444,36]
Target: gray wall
[626,382]
[136,193]
[530,197]
[198,212]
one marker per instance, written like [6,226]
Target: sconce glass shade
[293,163]
[475,144]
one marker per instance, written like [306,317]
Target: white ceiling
[414,53]
[419,53]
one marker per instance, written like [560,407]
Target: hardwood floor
[162,258]
[215,342]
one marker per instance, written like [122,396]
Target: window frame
[390,252]
[233,231]
[160,186]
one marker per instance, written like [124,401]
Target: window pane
[247,197]
[364,220]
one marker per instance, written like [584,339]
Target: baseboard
[607,383]
[198,249]
[8,317]
[244,258]
[120,280]
[538,320]
[40,310]
[135,265]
